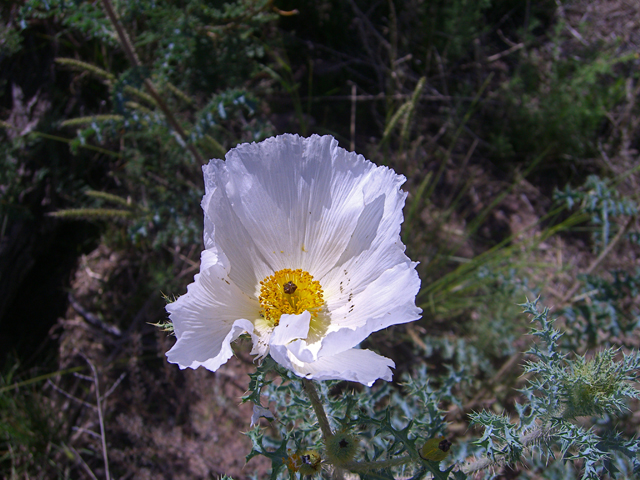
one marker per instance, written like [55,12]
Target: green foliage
[14,180]
[603,202]
[10,39]
[184,50]
[29,431]
[87,17]
[605,316]
[389,438]
[599,386]
[278,456]
[456,24]
[501,438]
[560,390]
[560,106]
[603,313]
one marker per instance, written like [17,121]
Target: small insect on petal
[289,288]
[436,449]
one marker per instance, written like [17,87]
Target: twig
[384,96]
[361,22]
[497,56]
[100,420]
[383,41]
[39,379]
[505,39]
[181,256]
[87,431]
[443,76]
[68,395]
[463,167]
[492,58]
[572,30]
[187,270]
[80,460]
[597,261]
[93,319]
[114,386]
[353,118]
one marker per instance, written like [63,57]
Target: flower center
[289,292]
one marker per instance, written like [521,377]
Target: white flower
[303,253]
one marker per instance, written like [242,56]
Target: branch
[323,421]
[129,50]
[105,457]
[566,298]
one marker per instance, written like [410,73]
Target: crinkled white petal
[387,300]
[375,245]
[246,265]
[354,365]
[299,199]
[212,314]
[291,328]
[288,338]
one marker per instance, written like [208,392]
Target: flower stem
[361,467]
[314,398]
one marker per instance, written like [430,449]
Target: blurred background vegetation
[515,122]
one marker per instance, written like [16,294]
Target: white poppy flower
[303,253]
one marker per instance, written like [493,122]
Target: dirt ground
[160,422]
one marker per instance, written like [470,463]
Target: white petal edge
[178,355]
[246,265]
[212,314]
[290,328]
[353,365]
[388,300]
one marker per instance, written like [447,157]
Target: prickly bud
[310,462]
[436,449]
[342,447]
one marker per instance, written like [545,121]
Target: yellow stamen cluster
[289,292]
